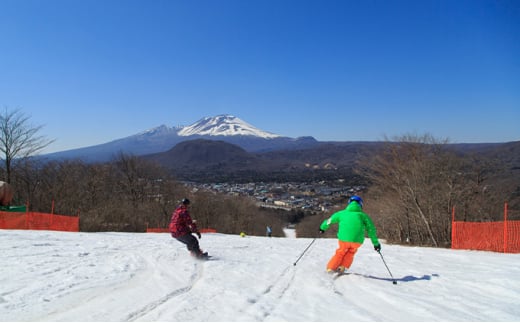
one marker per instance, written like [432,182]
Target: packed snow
[65,276]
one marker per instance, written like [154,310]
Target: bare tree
[415,181]
[136,185]
[18,138]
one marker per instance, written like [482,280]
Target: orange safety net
[162,230]
[13,220]
[490,236]
[157,230]
[38,221]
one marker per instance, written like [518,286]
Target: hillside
[215,160]
[201,153]
[209,160]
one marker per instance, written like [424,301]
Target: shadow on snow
[404,279]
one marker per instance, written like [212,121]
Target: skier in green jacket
[353,223]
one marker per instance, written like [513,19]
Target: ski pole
[305,251]
[393,279]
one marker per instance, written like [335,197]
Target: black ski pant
[191,242]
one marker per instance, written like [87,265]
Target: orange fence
[157,230]
[500,236]
[38,221]
[162,230]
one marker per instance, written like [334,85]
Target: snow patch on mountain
[159,131]
[224,125]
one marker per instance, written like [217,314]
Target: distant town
[312,197]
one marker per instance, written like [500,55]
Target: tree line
[414,182]
[129,194]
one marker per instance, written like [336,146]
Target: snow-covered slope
[62,276]
[224,125]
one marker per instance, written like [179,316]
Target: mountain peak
[224,125]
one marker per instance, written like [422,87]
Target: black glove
[322,231]
[198,234]
[377,247]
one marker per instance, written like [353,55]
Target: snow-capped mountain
[224,125]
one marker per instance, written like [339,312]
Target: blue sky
[93,71]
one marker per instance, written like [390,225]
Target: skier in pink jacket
[182,227]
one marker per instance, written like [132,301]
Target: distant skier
[269,231]
[353,223]
[182,227]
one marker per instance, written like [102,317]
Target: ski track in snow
[63,276]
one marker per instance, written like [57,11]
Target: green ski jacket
[353,223]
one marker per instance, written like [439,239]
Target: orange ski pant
[344,255]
